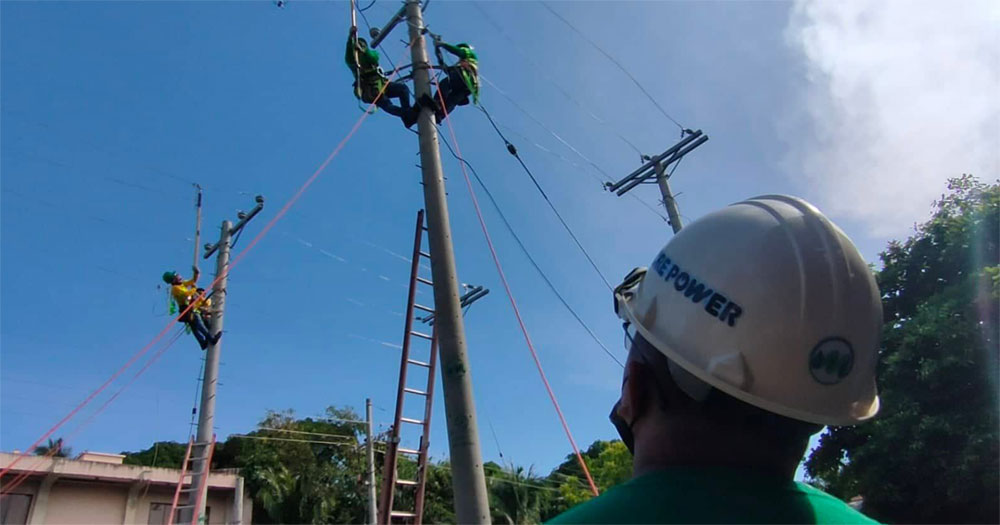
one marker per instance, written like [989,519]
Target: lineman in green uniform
[753,328]
[369,80]
[462,79]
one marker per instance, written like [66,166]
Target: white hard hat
[769,302]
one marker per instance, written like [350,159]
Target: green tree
[931,455]
[56,449]
[517,495]
[610,464]
[302,470]
[165,454]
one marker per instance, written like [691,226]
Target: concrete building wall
[86,503]
[84,492]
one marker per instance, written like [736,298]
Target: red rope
[27,473]
[510,295]
[281,213]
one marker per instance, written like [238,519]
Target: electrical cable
[524,250]
[236,260]
[616,62]
[363,9]
[514,45]
[532,117]
[27,473]
[513,151]
[513,303]
[194,405]
[324,434]
[645,204]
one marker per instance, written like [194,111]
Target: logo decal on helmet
[831,360]
[716,304]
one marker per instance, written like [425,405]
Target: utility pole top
[655,167]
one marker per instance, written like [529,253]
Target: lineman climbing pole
[656,167]
[470,498]
[201,453]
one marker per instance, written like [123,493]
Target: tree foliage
[54,448]
[609,462]
[931,455]
[165,454]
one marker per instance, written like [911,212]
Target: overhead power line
[513,303]
[544,72]
[513,151]
[616,62]
[524,250]
[233,263]
[534,119]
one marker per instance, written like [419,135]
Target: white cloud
[901,95]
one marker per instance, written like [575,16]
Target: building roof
[101,470]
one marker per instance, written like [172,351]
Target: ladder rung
[418,363]
[189,489]
[414,421]
[415,391]
[184,507]
[406,482]
[402,514]
[421,335]
[428,282]
[425,254]
[408,451]
[424,308]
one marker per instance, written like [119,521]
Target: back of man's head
[755,326]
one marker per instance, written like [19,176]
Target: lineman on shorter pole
[753,328]
[183,292]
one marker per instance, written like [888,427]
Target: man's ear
[634,398]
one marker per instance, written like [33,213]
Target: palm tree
[54,449]
[516,495]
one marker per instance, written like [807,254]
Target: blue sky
[110,110]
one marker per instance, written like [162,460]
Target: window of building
[158,514]
[14,509]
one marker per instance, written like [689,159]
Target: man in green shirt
[369,80]
[461,80]
[753,328]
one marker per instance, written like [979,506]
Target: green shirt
[367,58]
[712,495]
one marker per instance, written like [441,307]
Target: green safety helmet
[168,277]
[463,44]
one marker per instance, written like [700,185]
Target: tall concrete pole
[370,445]
[469,481]
[206,412]
[668,197]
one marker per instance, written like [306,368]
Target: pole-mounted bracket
[647,171]
[244,218]
[473,294]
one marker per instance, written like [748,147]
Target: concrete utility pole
[206,411]
[370,446]
[668,197]
[469,481]
[656,167]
